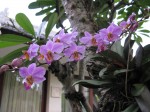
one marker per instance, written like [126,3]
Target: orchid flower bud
[16,63]
[4,68]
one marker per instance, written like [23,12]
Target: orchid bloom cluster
[131,24]
[65,45]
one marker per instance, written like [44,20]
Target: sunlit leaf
[14,38]
[138,56]
[25,23]
[51,22]
[41,4]
[126,49]
[4,44]
[44,11]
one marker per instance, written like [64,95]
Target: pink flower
[112,33]
[31,52]
[130,24]
[65,38]
[32,75]
[74,52]
[88,40]
[51,51]
[102,46]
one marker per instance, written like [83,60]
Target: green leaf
[146,31]
[44,11]
[116,47]
[138,39]
[145,34]
[9,57]
[139,56]
[132,108]
[53,19]
[93,83]
[41,4]
[51,22]
[4,44]
[126,49]
[102,72]
[14,38]
[116,72]
[25,23]
[113,56]
[137,89]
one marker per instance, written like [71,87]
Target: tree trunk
[80,21]
[78,16]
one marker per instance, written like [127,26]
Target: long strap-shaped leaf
[14,38]
[93,83]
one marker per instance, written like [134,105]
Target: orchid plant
[73,49]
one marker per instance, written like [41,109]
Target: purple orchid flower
[31,52]
[130,24]
[65,38]
[51,51]
[112,33]
[88,40]
[102,46]
[32,75]
[74,52]
[102,43]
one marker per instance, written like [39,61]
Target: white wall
[54,94]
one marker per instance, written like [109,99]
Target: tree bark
[78,16]
[80,21]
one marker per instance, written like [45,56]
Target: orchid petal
[43,50]
[49,45]
[23,71]
[87,34]
[38,80]
[39,72]
[85,40]
[81,49]
[57,57]
[33,48]
[31,68]
[58,47]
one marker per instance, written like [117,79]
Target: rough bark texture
[78,16]
[81,21]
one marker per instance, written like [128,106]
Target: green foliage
[132,108]
[4,44]
[44,11]
[93,83]
[52,21]
[116,72]
[25,23]
[12,55]
[137,89]
[50,8]
[14,38]
[41,4]
[7,40]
